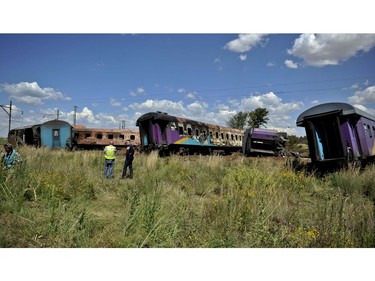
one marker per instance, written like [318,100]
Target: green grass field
[61,199]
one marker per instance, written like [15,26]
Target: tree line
[253,119]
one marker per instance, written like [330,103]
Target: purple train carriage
[259,141]
[338,134]
[167,133]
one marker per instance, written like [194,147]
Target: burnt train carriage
[29,135]
[57,133]
[93,138]
[259,141]
[168,133]
[52,134]
[337,134]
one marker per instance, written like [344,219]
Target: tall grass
[61,199]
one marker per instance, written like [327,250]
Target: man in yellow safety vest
[110,157]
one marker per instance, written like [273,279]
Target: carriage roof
[331,108]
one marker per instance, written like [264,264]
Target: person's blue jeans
[108,165]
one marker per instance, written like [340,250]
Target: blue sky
[208,77]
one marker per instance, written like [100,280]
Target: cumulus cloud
[197,108]
[279,112]
[158,105]
[291,64]
[245,42]
[330,49]
[31,93]
[88,116]
[365,96]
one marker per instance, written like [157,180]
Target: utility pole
[58,113]
[9,113]
[123,124]
[75,116]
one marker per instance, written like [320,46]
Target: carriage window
[222,136]
[236,137]
[240,138]
[122,136]
[227,136]
[231,136]
[197,132]
[180,129]
[99,136]
[369,131]
[132,137]
[189,131]
[110,136]
[88,135]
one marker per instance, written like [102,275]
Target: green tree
[238,120]
[258,117]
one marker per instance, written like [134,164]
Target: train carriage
[98,138]
[260,141]
[58,133]
[168,133]
[337,134]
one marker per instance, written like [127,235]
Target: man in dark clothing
[128,160]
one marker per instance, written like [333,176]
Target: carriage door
[164,131]
[56,138]
[327,135]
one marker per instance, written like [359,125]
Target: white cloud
[365,96]
[279,112]
[159,105]
[197,108]
[88,116]
[114,102]
[191,95]
[368,110]
[139,91]
[31,93]
[291,64]
[245,42]
[330,49]
[243,57]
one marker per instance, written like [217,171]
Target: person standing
[129,157]
[110,157]
[11,157]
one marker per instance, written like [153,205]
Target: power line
[269,85]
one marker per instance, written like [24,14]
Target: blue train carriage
[338,134]
[266,142]
[55,133]
[167,133]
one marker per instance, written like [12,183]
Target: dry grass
[61,199]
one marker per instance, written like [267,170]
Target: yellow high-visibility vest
[110,152]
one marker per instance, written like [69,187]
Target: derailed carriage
[167,133]
[259,141]
[338,134]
